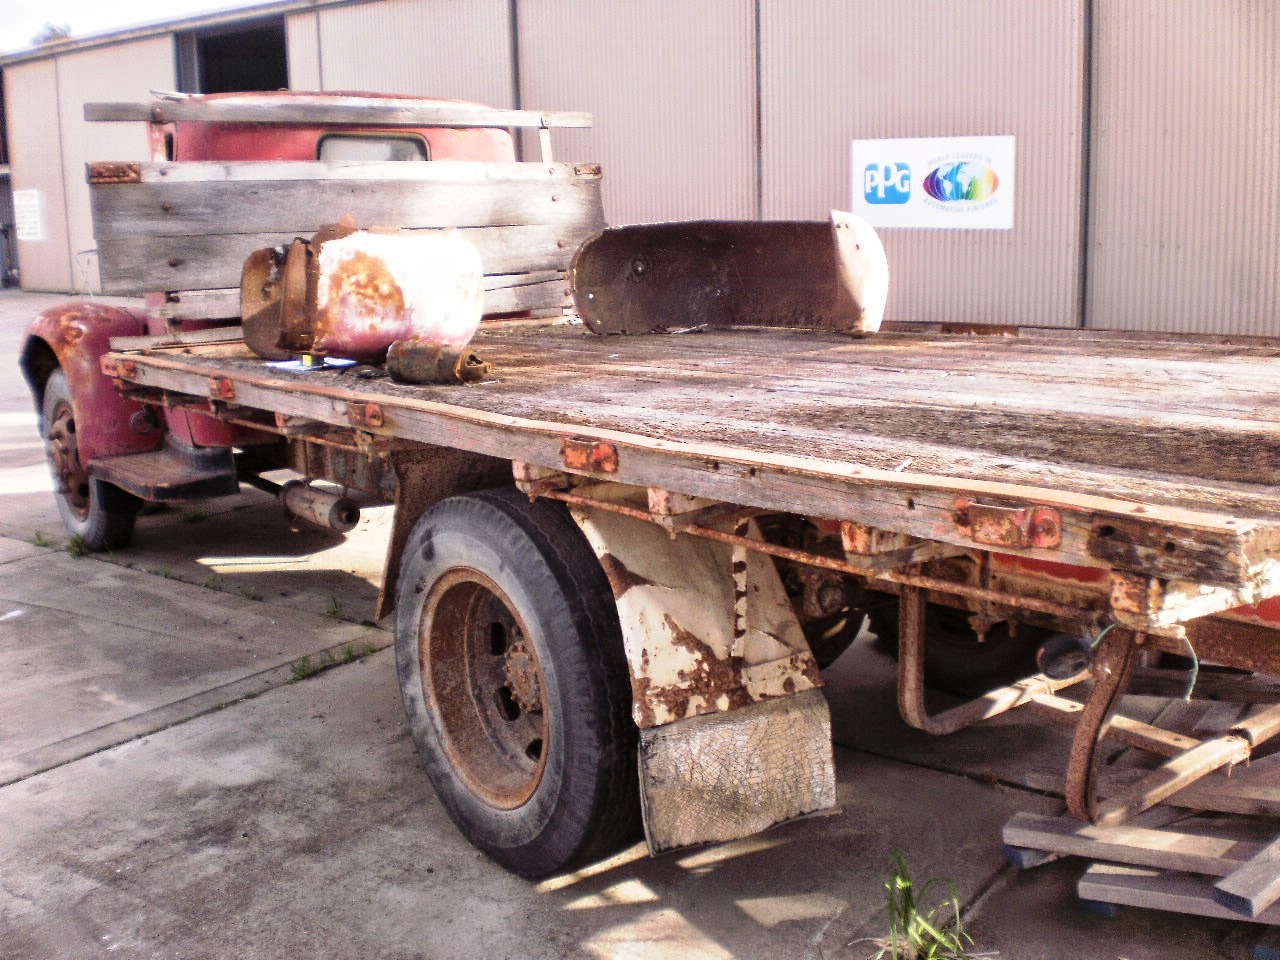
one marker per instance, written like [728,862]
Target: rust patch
[811,673]
[365,414]
[118,369]
[1011,527]
[364,301]
[640,697]
[222,388]
[588,456]
[711,678]
[109,172]
[621,579]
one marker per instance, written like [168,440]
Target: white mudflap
[722,776]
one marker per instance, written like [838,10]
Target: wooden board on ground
[1160,890]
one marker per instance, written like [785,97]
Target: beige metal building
[1147,131]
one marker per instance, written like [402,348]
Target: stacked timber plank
[1217,854]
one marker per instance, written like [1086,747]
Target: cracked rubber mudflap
[721,776]
[720,273]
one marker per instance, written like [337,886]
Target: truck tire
[954,660]
[99,514]
[515,683]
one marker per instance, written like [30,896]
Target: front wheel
[511,666]
[98,513]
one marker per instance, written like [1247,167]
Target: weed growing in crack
[921,926]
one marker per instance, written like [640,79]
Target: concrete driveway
[177,780]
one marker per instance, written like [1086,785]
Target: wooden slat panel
[361,110]
[504,293]
[547,295]
[136,266]
[282,198]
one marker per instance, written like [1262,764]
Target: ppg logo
[886,183]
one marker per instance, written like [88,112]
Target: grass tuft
[305,667]
[335,610]
[922,926]
[77,547]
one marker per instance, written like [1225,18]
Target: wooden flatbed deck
[1169,448]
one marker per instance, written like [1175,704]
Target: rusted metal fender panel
[707,628]
[79,333]
[637,279]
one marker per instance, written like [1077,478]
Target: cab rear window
[363,146]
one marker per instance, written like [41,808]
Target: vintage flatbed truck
[622,558]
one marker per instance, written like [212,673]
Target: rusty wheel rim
[481,674]
[71,478]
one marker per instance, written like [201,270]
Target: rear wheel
[514,681]
[99,514]
[955,660]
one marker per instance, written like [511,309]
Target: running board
[174,472]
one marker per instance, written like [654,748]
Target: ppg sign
[887,182]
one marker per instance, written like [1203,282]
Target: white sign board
[940,183]
[28,217]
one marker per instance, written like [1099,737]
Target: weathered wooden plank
[1254,886]
[920,505]
[458,172]
[142,265]
[360,110]
[522,298]
[184,208]
[1159,890]
[1164,848]
[505,293]
[199,305]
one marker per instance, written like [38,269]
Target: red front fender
[74,336]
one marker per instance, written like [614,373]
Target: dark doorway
[247,56]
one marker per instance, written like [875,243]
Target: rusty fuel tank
[351,293]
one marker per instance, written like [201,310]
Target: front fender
[74,336]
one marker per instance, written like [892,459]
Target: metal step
[174,472]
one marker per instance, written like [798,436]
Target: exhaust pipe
[316,506]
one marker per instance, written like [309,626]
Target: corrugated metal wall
[745,108]
[52,142]
[35,138]
[672,87]
[126,72]
[302,50]
[1184,212]
[439,48]
[837,70]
